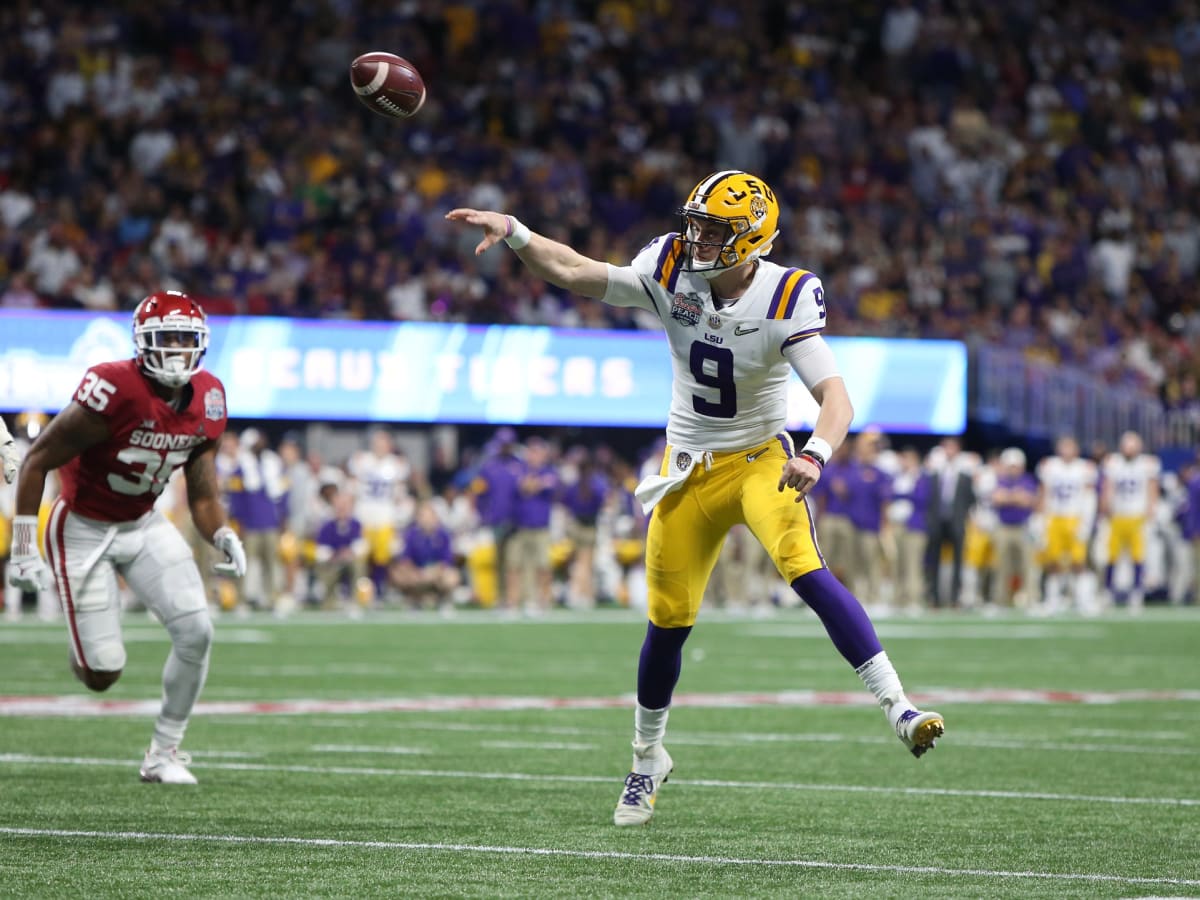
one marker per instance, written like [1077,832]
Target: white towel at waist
[679,468]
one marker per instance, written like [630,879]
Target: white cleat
[167,767]
[919,731]
[636,805]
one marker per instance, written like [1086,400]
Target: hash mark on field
[332,843]
[353,771]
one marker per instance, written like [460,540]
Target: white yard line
[332,843]
[79,705]
[536,745]
[370,748]
[31,759]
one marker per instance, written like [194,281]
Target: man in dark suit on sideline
[951,498]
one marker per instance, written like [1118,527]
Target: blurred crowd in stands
[528,525]
[1023,173]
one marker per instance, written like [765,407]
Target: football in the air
[388,84]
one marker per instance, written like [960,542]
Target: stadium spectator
[931,182]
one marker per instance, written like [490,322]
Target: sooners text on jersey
[119,479]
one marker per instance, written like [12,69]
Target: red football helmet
[170,332]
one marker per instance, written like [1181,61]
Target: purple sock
[1137,576]
[1108,576]
[659,665]
[841,614]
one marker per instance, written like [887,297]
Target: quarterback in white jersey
[737,325]
[1128,498]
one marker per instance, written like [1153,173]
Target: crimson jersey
[118,480]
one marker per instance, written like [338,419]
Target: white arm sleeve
[812,360]
[625,288]
[5,437]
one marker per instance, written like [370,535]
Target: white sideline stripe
[26,758]
[73,705]
[588,854]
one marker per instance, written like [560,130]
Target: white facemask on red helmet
[170,332]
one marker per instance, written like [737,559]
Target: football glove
[226,540]
[27,571]
[9,460]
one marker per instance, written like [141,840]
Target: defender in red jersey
[128,427]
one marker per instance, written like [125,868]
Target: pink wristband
[508,232]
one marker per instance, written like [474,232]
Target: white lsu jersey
[1131,480]
[730,375]
[1070,487]
[382,487]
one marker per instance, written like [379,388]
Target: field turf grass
[494,753]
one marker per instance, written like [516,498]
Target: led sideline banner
[319,370]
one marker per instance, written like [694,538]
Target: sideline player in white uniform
[129,426]
[737,326]
[1067,500]
[384,502]
[1128,499]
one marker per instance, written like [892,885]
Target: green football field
[404,755]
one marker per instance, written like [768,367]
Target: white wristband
[518,233]
[820,447]
[24,542]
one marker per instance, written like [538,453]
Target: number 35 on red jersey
[119,479]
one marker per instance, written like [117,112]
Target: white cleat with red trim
[167,766]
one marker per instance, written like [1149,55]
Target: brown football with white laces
[388,84]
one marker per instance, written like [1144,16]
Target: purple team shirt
[533,510]
[339,533]
[1191,520]
[585,498]
[1011,513]
[834,474]
[498,501]
[426,548]
[870,490]
[918,495]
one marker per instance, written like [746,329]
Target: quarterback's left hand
[800,473]
[9,460]
[226,540]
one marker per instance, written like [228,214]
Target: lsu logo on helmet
[729,219]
